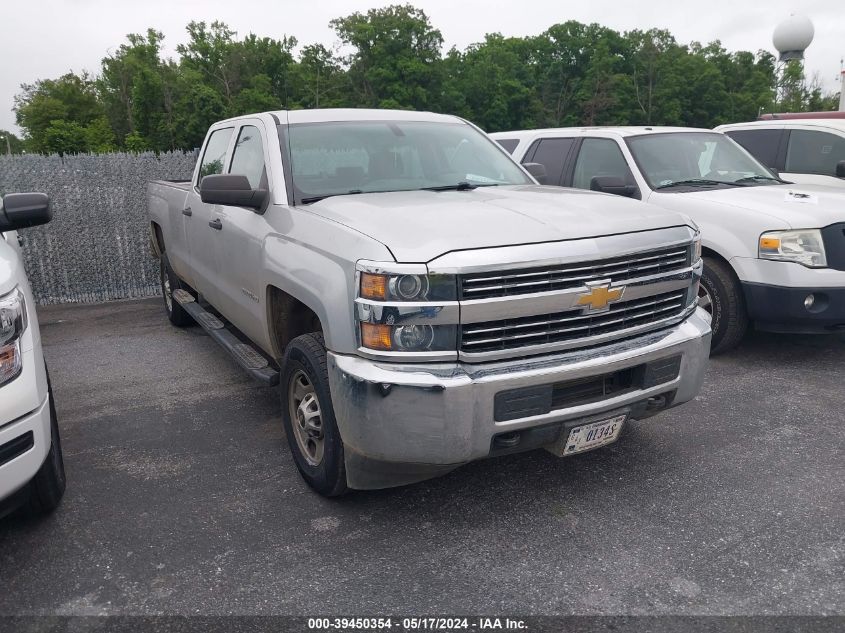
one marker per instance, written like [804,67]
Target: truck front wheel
[722,297]
[308,416]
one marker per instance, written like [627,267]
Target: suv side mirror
[232,190]
[538,170]
[840,169]
[612,184]
[23,210]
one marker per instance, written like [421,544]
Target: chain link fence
[96,248]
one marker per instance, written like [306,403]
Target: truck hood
[799,206]
[10,267]
[418,226]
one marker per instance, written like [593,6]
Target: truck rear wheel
[722,297]
[170,282]
[308,416]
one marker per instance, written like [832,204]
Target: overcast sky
[47,38]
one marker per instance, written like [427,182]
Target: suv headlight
[12,326]
[804,247]
[407,312]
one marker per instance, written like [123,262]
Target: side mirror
[23,210]
[840,169]
[538,170]
[232,190]
[612,184]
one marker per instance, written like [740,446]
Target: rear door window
[812,152]
[552,153]
[214,157]
[761,144]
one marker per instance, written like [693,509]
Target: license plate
[593,435]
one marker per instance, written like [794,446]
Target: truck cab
[773,250]
[420,300]
[32,473]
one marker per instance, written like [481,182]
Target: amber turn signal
[373,286]
[769,243]
[374,336]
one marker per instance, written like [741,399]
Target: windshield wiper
[700,181]
[461,186]
[760,177]
[311,199]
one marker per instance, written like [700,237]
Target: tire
[722,296]
[170,282]
[47,488]
[308,416]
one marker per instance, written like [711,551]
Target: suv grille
[567,276]
[510,334]
[834,245]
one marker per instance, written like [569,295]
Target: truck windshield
[337,158]
[692,160]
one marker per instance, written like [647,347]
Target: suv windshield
[695,159]
[336,158]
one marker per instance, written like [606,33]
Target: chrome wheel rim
[704,299]
[168,292]
[306,418]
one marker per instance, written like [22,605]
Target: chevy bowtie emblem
[599,297]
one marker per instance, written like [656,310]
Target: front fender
[314,262]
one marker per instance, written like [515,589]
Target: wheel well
[156,240]
[709,252]
[288,318]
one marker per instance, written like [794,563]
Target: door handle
[187,211]
[216,224]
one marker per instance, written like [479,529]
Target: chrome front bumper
[408,422]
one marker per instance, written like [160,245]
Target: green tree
[138,90]
[491,83]
[65,137]
[10,143]
[71,98]
[396,62]
[320,79]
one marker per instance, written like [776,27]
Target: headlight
[403,310]
[696,247]
[12,326]
[804,247]
[408,287]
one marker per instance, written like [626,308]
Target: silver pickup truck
[420,299]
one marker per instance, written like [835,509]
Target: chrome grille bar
[482,286]
[512,334]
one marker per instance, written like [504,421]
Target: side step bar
[246,356]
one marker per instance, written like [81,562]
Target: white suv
[804,151]
[774,252]
[32,472]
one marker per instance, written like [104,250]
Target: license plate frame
[578,439]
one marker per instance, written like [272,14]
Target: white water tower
[792,37]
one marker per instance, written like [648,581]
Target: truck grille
[567,276]
[508,334]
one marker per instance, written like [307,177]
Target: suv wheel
[721,295]
[48,486]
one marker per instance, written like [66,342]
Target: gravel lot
[183,499]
